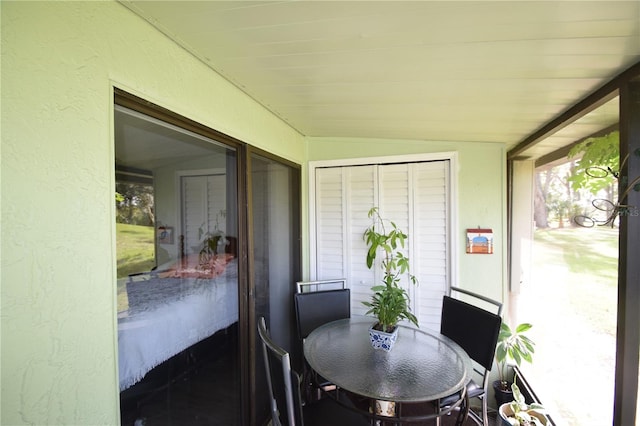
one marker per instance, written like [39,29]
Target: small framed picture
[165,235]
[480,241]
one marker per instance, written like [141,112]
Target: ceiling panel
[424,70]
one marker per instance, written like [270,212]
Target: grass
[574,289]
[135,251]
[590,256]
[586,250]
[572,302]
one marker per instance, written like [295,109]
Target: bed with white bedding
[172,310]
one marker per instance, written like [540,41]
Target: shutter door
[362,195]
[330,226]
[194,212]
[203,208]
[430,234]
[414,196]
[217,202]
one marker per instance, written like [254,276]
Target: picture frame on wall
[165,235]
[480,241]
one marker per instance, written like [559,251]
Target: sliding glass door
[208,241]
[178,298]
[275,217]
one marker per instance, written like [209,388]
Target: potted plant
[513,347]
[214,242]
[390,302]
[519,413]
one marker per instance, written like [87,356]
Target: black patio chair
[284,393]
[314,309]
[320,307]
[476,331]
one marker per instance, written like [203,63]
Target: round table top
[422,366]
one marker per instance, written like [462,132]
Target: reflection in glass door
[275,216]
[177,275]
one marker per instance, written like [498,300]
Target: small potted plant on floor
[514,346]
[390,302]
[519,413]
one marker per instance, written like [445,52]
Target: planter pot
[385,408]
[502,396]
[382,340]
[505,411]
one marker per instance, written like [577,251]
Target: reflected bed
[172,310]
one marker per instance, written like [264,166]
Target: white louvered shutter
[414,196]
[203,208]
[431,234]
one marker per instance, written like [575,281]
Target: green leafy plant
[515,346]
[523,414]
[211,241]
[390,302]
[210,245]
[602,152]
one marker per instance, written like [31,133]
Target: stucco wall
[480,197]
[60,61]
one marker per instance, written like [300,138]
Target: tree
[554,194]
[560,206]
[598,164]
[597,172]
[134,203]
[540,211]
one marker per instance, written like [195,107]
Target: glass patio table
[422,366]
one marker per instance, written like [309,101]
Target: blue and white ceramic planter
[382,340]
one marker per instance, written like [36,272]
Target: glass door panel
[176,234]
[275,216]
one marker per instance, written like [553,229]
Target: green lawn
[592,251]
[590,256]
[135,251]
[572,302]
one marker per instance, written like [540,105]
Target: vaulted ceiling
[478,71]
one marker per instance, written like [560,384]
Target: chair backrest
[320,307]
[493,304]
[321,285]
[283,382]
[474,329]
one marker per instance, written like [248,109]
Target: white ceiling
[145,143]
[475,71]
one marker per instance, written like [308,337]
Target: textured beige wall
[60,61]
